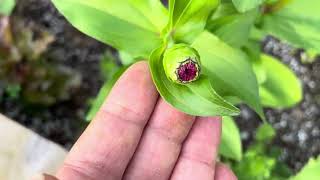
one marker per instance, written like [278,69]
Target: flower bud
[182,64]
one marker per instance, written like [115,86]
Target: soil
[62,122]
[298,128]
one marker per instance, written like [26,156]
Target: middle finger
[160,145]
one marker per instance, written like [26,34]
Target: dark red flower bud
[182,64]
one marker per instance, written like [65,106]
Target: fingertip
[134,90]
[223,172]
[209,128]
[135,74]
[204,138]
[43,177]
[199,152]
[139,68]
[136,78]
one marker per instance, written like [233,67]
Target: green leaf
[231,26]
[108,65]
[13,90]
[308,56]
[230,145]
[129,25]
[126,58]
[6,7]
[197,98]
[228,70]
[253,50]
[153,10]
[103,93]
[265,132]
[255,167]
[246,5]
[189,17]
[260,72]
[310,171]
[282,88]
[297,22]
[257,34]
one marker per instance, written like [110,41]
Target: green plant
[231,62]
[260,161]
[6,6]
[310,171]
[24,73]
[230,146]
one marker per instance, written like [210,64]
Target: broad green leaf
[129,25]
[257,34]
[225,8]
[153,10]
[260,72]
[232,27]
[197,98]
[230,145]
[310,171]
[126,58]
[298,22]
[228,70]
[6,7]
[188,18]
[103,93]
[282,88]
[245,5]
[253,49]
[265,132]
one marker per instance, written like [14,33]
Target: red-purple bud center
[187,71]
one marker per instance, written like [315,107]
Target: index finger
[107,145]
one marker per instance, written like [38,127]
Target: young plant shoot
[218,33]
[204,55]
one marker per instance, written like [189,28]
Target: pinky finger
[223,172]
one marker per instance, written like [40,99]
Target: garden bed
[298,129]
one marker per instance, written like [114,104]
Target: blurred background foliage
[25,72]
[50,76]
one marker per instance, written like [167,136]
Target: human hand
[137,135]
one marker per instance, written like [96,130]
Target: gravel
[298,128]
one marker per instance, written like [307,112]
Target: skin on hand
[137,135]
